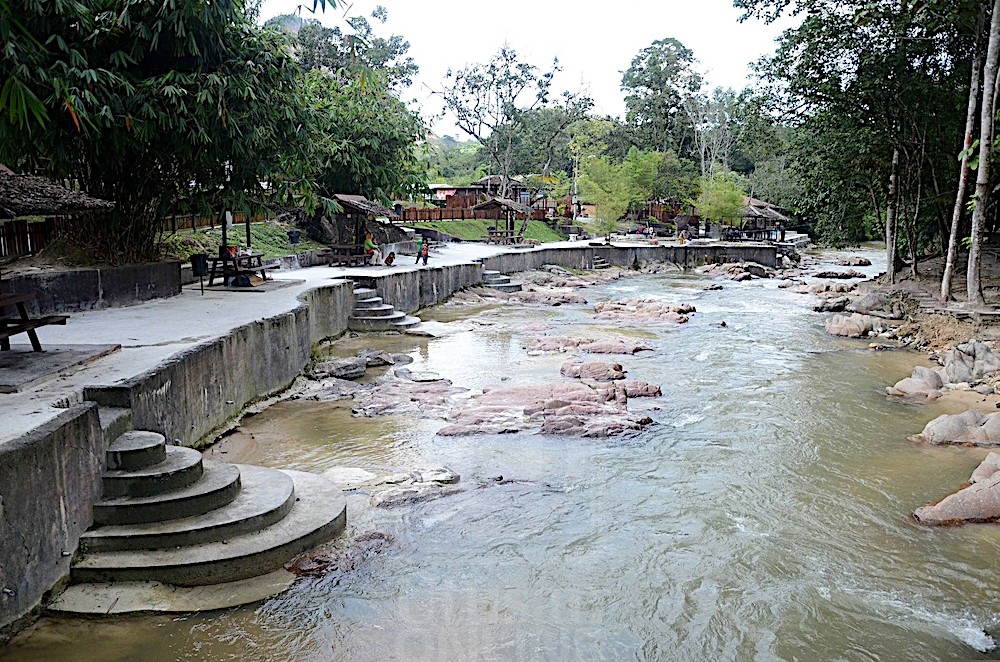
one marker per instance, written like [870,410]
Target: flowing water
[764,515]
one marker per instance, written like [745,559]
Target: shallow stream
[765,514]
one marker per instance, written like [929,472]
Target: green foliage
[191,92]
[721,199]
[500,103]
[268,237]
[476,229]
[615,187]
[363,137]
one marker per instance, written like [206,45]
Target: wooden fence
[445,214]
[28,237]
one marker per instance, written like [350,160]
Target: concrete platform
[133,597]
[21,368]
[267,286]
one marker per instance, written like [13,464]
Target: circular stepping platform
[218,485]
[318,514]
[135,450]
[182,467]
[265,497]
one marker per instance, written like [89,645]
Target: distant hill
[289,23]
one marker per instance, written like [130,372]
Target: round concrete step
[368,303]
[407,322]
[506,287]
[319,513]
[381,310]
[181,468]
[375,323]
[364,293]
[136,449]
[218,486]
[265,496]
[496,280]
[490,272]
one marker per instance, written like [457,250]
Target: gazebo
[357,211]
[508,210]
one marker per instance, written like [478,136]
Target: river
[765,514]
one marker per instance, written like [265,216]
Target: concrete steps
[497,281]
[601,263]
[372,314]
[318,513]
[229,523]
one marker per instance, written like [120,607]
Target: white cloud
[594,45]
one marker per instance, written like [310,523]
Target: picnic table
[11,326]
[500,236]
[250,264]
[346,255]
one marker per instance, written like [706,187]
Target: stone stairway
[373,314]
[601,263]
[168,516]
[498,281]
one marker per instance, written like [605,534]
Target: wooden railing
[446,214]
[23,237]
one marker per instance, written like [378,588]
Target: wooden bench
[239,265]
[11,326]
[346,255]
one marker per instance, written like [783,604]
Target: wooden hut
[357,212]
[28,195]
[507,211]
[762,220]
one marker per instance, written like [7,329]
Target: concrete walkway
[152,332]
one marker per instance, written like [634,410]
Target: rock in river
[643,310]
[596,371]
[970,428]
[977,502]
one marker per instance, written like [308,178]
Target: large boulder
[923,383]
[595,371]
[832,305]
[970,428]
[887,305]
[643,310]
[350,368]
[977,502]
[851,326]
[854,261]
[841,275]
[969,362]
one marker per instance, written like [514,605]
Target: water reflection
[764,516]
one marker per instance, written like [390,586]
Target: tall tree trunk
[963,173]
[975,287]
[890,218]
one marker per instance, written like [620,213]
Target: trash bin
[199,268]
[199,264]
[295,236]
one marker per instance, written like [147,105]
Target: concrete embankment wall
[200,390]
[49,481]
[409,291]
[94,289]
[621,256]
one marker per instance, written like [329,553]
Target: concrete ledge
[49,480]
[93,289]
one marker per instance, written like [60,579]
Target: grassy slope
[475,230]
[268,238]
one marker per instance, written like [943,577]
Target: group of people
[375,257]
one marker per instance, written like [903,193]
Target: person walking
[424,250]
[420,247]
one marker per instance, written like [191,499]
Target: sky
[594,41]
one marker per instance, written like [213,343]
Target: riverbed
[764,515]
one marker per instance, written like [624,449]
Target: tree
[491,101]
[721,199]
[201,97]
[982,197]
[614,187]
[656,83]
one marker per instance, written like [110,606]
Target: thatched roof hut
[28,195]
[359,204]
[505,205]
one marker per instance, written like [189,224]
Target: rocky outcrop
[597,371]
[738,271]
[416,486]
[318,563]
[573,409]
[832,305]
[854,261]
[965,366]
[923,383]
[977,502]
[603,346]
[635,388]
[887,305]
[969,362]
[350,368]
[850,326]
[643,310]
[970,428]
[840,275]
